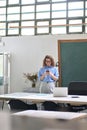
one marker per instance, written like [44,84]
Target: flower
[32,77]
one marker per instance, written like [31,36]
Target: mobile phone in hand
[47,70]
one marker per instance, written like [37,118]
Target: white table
[51,114]
[39,97]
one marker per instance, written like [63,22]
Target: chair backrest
[18,105]
[50,106]
[77,88]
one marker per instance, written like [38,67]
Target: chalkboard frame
[59,55]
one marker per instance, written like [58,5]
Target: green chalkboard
[72,55]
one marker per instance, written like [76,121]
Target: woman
[48,75]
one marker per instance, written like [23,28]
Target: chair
[18,105]
[77,88]
[50,106]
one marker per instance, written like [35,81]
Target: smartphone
[47,70]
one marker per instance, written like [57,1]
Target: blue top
[48,78]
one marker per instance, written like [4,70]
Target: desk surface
[39,97]
[34,123]
[51,114]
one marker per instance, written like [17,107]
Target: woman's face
[48,62]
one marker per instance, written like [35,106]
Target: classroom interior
[29,30]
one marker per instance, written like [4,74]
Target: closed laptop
[60,91]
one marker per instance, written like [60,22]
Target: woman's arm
[43,76]
[53,76]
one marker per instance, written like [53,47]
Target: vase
[33,84]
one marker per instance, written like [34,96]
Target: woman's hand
[43,75]
[53,76]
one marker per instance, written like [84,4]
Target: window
[2,29]
[12,30]
[1,69]
[27,1]
[1,65]
[2,3]
[86,25]
[86,8]
[75,9]
[2,14]
[75,26]
[13,2]
[43,27]
[42,0]
[28,29]
[59,10]
[58,26]
[13,13]
[58,0]
[27,12]
[43,11]
[35,17]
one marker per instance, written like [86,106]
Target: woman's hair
[48,57]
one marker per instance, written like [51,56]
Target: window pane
[86,25]
[59,29]
[27,1]
[43,29]
[58,14]
[27,16]
[28,30]
[2,2]
[44,7]
[13,17]
[13,13]
[14,30]
[42,11]
[58,0]
[42,0]
[59,22]
[2,14]
[2,29]
[13,1]
[27,9]
[27,23]
[28,12]
[13,10]
[75,5]
[75,9]
[75,28]
[2,11]
[59,7]
[86,8]
[42,15]
[59,10]
[2,17]
[75,13]
[1,65]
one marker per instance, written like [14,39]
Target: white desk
[38,97]
[51,114]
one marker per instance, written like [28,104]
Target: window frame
[50,2]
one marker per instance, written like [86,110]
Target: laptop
[60,92]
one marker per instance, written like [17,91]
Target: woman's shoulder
[54,67]
[42,68]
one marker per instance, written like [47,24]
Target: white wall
[27,53]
